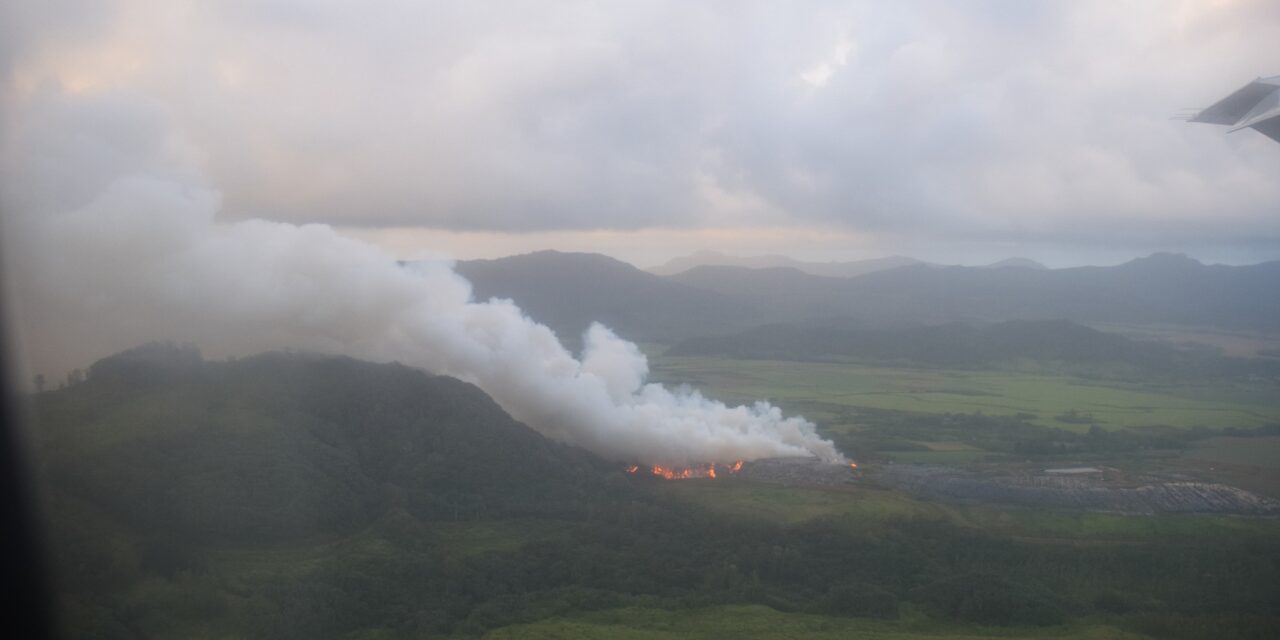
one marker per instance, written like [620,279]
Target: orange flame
[853,465]
[685,473]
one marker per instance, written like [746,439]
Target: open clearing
[820,390]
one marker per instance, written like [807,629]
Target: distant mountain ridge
[1016,263]
[568,291]
[847,269]
[832,269]
[1158,289]
[1162,288]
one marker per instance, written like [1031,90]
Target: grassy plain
[822,390]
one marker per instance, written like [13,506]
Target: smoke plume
[113,240]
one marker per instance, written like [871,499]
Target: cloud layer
[1008,120]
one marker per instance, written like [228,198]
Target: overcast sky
[950,131]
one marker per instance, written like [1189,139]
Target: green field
[821,390]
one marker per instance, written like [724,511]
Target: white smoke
[112,242]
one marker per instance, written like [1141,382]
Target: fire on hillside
[686,473]
[803,465]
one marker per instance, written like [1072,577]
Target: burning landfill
[787,470]
[685,473]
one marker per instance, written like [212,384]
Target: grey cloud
[997,119]
[953,131]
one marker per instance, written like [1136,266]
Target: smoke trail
[142,257]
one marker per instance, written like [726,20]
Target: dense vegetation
[301,496]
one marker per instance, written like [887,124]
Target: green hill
[285,446]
